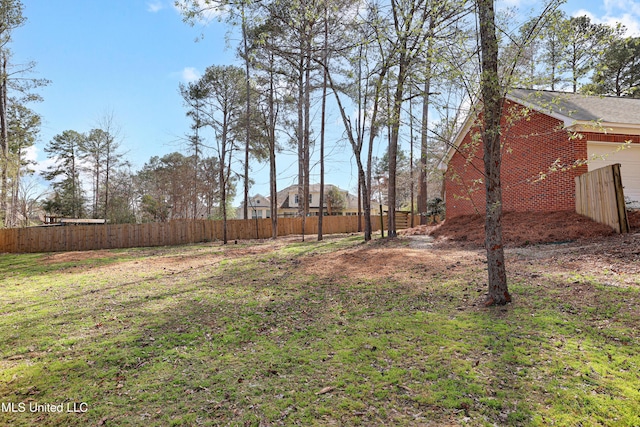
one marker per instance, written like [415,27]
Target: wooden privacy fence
[600,196]
[178,232]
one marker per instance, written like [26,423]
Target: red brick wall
[538,167]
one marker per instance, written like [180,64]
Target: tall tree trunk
[224,175]
[248,108]
[307,132]
[393,145]
[96,191]
[356,145]
[322,122]
[372,136]
[107,169]
[411,183]
[223,204]
[196,164]
[15,188]
[272,154]
[360,139]
[75,184]
[423,193]
[493,99]
[4,141]
[360,190]
[300,136]
[223,194]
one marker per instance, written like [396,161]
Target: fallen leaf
[325,390]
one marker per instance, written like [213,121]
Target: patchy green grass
[314,333]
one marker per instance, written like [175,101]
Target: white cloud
[508,4]
[189,74]
[630,6]
[625,12]
[209,11]
[155,6]
[631,23]
[522,5]
[31,154]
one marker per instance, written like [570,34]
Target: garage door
[629,159]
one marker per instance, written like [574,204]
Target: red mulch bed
[521,229]
[634,220]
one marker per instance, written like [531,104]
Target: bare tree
[23,128]
[264,48]
[193,96]
[92,153]
[225,91]
[233,11]
[111,157]
[29,194]
[323,118]
[493,99]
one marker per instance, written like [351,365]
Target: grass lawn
[318,333]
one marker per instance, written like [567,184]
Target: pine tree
[68,197]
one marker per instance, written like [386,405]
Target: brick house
[548,139]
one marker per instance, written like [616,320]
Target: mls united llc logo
[69,407]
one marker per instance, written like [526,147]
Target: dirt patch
[564,243]
[389,260]
[521,229]
[164,255]
[78,256]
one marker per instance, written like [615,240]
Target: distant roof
[258,199]
[285,202]
[576,107]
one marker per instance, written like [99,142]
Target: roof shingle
[583,108]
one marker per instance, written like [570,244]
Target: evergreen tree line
[91,179]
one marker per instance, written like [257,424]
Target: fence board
[600,196]
[111,236]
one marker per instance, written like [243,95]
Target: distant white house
[288,203]
[259,207]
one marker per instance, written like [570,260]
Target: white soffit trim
[606,128]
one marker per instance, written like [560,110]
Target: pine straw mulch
[522,229]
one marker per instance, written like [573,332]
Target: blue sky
[121,56]
[127,57]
